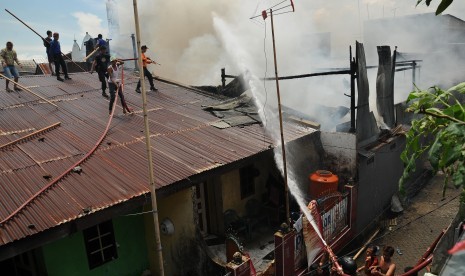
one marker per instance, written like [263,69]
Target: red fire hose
[431,247]
[418,267]
[65,173]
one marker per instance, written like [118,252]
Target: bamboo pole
[283,146]
[30,28]
[148,146]
[29,135]
[93,52]
[28,90]
[366,244]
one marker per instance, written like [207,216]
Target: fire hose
[70,169]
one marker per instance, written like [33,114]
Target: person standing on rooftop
[100,64]
[55,50]
[100,42]
[47,42]
[8,58]
[145,61]
[114,83]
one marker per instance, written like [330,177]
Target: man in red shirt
[145,61]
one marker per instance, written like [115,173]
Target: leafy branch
[442,116]
[438,132]
[442,6]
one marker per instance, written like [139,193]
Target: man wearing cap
[8,57]
[100,64]
[55,51]
[145,61]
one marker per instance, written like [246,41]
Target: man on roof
[146,60]
[115,73]
[100,65]
[8,57]
[55,50]
[47,41]
[100,42]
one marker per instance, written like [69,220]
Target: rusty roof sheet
[183,141]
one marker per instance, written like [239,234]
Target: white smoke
[243,61]
[181,36]
[193,40]
[89,22]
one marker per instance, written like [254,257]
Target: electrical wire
[281,9]
[278,4]
[282,13]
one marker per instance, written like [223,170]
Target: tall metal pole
[283,146]
[134,49]
[414,69]
[352,90]
[149,149]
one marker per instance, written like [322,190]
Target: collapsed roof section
[240,111]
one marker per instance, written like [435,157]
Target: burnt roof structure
[186,149]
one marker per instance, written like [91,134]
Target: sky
[69,18]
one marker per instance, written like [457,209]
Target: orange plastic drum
[322,183]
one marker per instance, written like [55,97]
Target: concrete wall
[231,187]
[176,247]
[341,152]
[68,255]
[304,156]
[378,178]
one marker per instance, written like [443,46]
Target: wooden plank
[40,131]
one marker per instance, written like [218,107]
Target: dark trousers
[112,88]
[60,62]
[102,76]
[149,76]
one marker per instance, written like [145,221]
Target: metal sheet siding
[183,142]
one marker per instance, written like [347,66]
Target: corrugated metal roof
[184,144]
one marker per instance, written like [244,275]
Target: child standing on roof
[114,83]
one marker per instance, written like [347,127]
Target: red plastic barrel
[322,183]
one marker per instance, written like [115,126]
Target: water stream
[266,111]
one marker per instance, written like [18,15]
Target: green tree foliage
[442,6]
[439,132]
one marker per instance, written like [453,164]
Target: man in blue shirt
[55,51]
[100,42]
